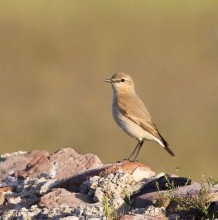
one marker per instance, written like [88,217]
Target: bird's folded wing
[134,109]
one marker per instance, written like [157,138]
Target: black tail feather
[166,146]
[169,151]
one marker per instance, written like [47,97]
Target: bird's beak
[109,80]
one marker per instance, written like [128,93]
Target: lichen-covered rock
[66,185]
[155,211]
[113,186]
[21,213]
[116,184]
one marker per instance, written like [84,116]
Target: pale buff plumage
[131,115]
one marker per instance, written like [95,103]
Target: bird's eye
[122,80]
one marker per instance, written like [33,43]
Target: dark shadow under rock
[73,183]
[163,183]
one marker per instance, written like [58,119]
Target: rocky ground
[66,185]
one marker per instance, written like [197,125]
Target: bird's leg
[136,147]
[139,148]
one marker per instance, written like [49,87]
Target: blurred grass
[54,56]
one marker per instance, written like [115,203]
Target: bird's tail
[169,150]
[166,146]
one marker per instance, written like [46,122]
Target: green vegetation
[197,206]
[108,213]
[127,199]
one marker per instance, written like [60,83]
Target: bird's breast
[127,125]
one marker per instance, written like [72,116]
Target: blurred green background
[55,55]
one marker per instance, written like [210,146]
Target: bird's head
[121,83]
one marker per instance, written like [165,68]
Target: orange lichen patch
[125,166]
[6,189]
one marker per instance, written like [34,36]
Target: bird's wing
[133,108]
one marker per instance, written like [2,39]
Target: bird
[130,113]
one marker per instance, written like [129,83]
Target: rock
[2,194]
[138,173]
[62,164]
[12,164]
[145,200]
[69,218]
[141,217]
[12,210]
[174,216]
[189,191]
[2,198]
[73,183]
[114,186]
[193,200]
[152,198]
[5,189]
[132,217]
[141,173]
[21,213]
[37,174]
[192,189]
[164,182]
[138,170]
[195,188]
[116,183]
[155,211]
[213,196]
[14,200]
[66,185]
[61,197]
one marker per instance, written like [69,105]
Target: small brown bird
[131,115]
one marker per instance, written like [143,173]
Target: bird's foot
[123,160]
[132,160]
